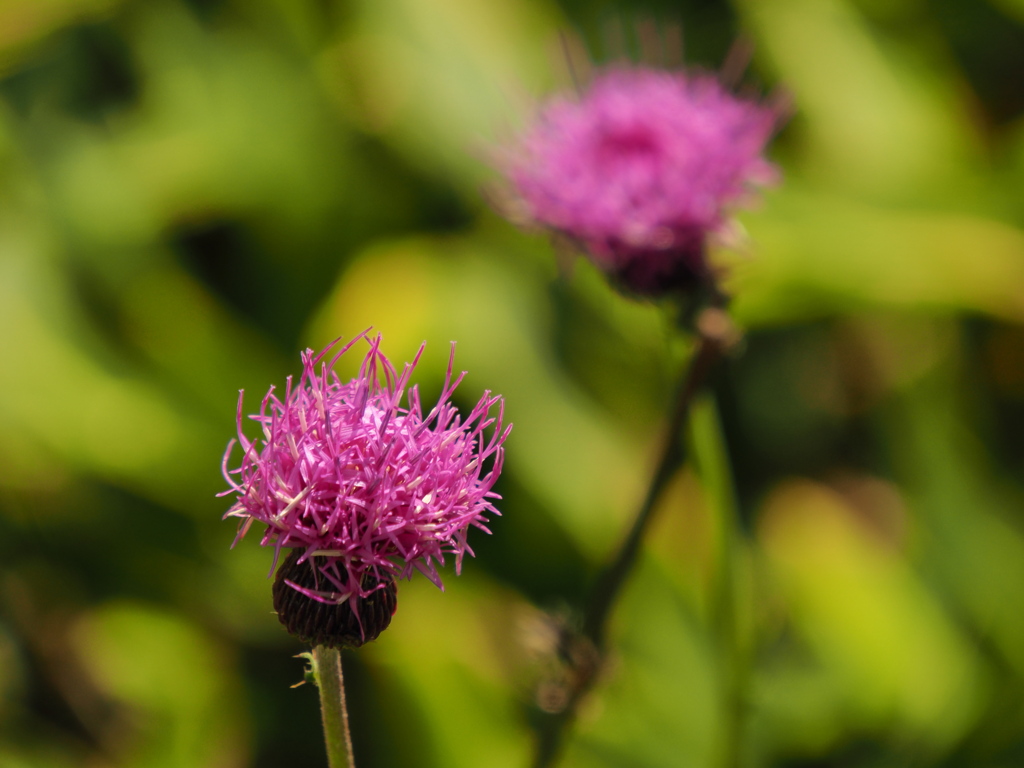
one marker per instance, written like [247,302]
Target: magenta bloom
[371,489]
[640,168]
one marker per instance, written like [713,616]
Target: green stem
[331,682]
[713,340]
[613,579]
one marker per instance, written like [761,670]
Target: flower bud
[350,622]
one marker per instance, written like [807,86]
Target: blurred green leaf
[877,118]
[439,78]
[451,651]
[819,255]
[660,703]
[180,687]
[902,661]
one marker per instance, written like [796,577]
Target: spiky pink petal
[346,473]
[640,168]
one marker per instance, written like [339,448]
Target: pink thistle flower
[641,168]
[364,488]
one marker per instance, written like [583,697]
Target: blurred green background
[192,191]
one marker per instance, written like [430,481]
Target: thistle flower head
[640,168]
[365,488]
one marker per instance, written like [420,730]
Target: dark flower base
[332,625]
[653,273]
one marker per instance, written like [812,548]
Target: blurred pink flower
[640,168]
[367,487]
